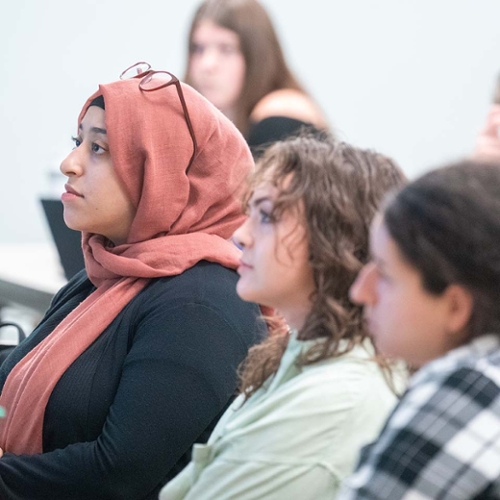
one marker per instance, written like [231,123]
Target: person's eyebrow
[96,130]
[257,201]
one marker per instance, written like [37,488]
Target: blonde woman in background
[236,61]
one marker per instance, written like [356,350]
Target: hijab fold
[181,218]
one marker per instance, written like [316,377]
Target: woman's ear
[459,303]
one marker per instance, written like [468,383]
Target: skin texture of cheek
[413,336]
[244,287]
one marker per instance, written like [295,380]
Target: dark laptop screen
[68,242]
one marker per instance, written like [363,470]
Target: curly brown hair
[340,188]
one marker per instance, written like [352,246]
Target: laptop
[68,242]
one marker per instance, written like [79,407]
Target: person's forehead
[264,190]
[209,31]
[94,117]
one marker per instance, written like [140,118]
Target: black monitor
[67,241]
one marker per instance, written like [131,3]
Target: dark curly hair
[446,224]
[340,188]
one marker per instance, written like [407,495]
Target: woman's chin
[72,224]
[245,292]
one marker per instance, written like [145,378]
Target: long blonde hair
[266,68]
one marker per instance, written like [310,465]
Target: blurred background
[412,79]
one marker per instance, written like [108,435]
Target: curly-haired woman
[311,398]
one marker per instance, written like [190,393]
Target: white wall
[410,78]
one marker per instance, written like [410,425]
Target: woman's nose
[209,58]
[241,236]
[72,164]
[362,291]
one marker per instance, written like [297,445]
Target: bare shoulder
[290,103]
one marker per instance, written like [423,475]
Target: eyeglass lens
[156,80]
[136,70]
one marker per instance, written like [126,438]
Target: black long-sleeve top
[121,420]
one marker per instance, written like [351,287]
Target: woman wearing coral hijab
[136,356]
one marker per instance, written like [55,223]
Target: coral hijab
[182,216]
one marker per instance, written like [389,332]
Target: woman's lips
[70,194]
[243,266]
[71,190]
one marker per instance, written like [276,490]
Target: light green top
[296,438]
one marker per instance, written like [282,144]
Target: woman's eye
[229,49]
[381,276]
[265,217]
[97,149]
[76,141]
[197,48]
